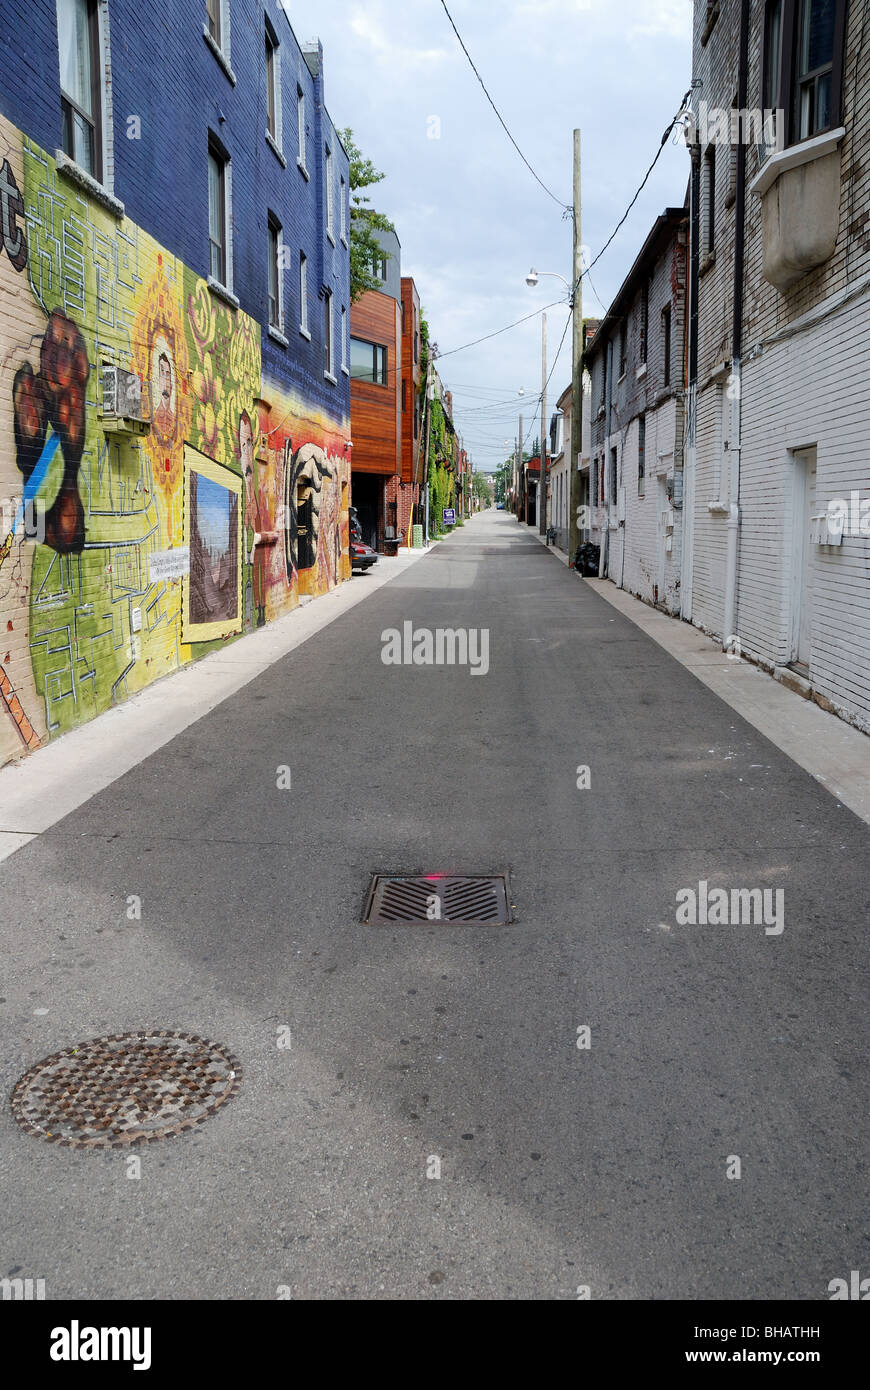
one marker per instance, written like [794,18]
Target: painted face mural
[303,485]
[55,399]
[164,412]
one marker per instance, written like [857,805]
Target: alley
[561,1166]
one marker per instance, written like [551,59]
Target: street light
[534,275]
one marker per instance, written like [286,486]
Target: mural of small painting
[211,593]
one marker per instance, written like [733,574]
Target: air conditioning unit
[122,401]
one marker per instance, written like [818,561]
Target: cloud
[662,17]
[371,27]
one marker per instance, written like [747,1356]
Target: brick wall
[805,367]
[638,559]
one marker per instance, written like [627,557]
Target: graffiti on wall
[13,237]
[149,549]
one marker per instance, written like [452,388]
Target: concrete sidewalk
[826,747]
[39,790]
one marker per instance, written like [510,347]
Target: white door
[802,573]
[662,514]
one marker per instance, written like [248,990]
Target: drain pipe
[729,624]
[604,553]
[735,383]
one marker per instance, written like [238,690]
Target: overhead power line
[549,379]
[556,200]
[506,328]
[640,189]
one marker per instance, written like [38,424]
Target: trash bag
[587,559]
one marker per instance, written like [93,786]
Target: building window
[272,85]
[303,292]
[330,193]
[772,61]
[644,323]
[379,267]
[78,33]
[814,67]
[804,44]
[344,365]
[217,215]
[613,482]
[666,345]
[342,209]
[276,317]
[213,19]
[328,344]
[300,124]
[710,226]
[622,348]
[368,361]
[641,455]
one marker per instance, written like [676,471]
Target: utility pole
[519,491]
[577,350]
[542,485]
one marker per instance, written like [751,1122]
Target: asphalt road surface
[562,1167]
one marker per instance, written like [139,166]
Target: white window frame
[220,22]
[220,47]
[103,189]
[304,328]
[273,225]
[329,181]
[342,210]
[344,341]
[329,338]
[224,287]
[276,140]
[301,131]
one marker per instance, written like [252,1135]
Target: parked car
[499,506]
[362,557]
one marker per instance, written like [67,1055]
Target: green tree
[364,221]
[480,489]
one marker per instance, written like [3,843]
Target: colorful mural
[128,554]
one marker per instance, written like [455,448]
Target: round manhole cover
[126,1089]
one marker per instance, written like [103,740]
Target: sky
[471,218]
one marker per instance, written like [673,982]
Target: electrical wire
[557,201]
[506,329]
[640,189]
[597,258]
[549,378]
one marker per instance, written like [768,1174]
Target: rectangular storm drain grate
[469,900]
